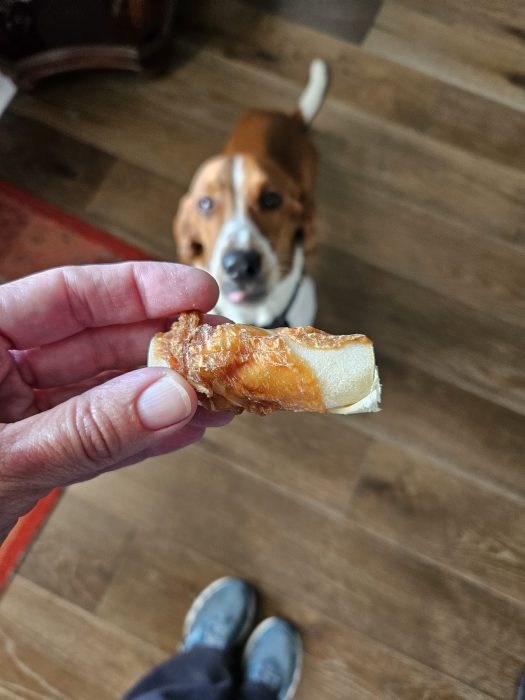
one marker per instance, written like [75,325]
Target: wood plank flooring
[396,542]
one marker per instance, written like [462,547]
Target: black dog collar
[281,320]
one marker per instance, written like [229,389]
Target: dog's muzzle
[244,282]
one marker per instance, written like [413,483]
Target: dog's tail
[314,93]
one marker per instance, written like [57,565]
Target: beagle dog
[248,217]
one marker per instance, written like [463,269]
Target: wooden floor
[395,541]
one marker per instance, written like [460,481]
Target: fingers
[215,319]
[55,304]
[49,398]
[211,419]
[44,399]
[86,354]
[90,352]
[186,437]
[129,417]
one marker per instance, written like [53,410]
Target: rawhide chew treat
[234,367]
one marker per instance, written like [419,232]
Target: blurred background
[395,541]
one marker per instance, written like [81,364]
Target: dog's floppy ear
[186,232]
[305,233]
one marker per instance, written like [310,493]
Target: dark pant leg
[256,691]
[198,674]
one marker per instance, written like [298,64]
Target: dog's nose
[242,265]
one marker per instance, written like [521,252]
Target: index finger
[55,304]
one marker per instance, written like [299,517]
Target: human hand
[69,409]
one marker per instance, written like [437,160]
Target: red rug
[35,236]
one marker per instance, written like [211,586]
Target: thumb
[128,417]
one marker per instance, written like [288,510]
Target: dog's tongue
[237,296]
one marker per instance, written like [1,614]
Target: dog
[248,216]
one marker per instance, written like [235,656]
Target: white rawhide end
[314,93]
[369,404]
[347,376]
[155,358]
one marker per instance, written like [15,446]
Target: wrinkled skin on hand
[71,340]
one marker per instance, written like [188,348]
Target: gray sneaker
[222,616]
[273,657]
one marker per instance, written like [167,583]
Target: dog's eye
[206,205]
[270,200]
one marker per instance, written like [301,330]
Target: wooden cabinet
[41,37]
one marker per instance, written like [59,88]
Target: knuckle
[20,488]
[95,435]
[79,305]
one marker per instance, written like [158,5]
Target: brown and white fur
[248,217]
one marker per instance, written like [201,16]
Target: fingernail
[164,403]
